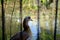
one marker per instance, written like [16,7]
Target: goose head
[25,22]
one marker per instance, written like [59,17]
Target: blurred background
[47,12]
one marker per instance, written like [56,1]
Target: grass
[58,37]
[46,35]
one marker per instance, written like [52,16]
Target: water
[33,27]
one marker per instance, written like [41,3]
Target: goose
[23,35]
[29,32]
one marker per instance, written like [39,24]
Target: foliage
[29,8]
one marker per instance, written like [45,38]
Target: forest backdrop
[30,8]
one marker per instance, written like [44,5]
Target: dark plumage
[24,35]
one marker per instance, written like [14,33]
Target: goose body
[20,36]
